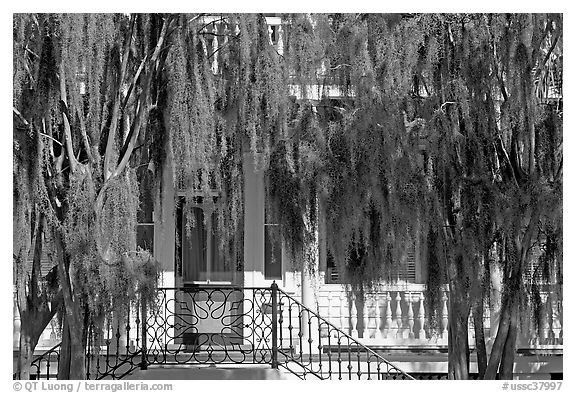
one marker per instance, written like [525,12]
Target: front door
[209,303]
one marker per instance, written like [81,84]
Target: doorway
[209,304]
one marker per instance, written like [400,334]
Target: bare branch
[19,115]
[340,66]
[142,108]
[550,50]
[36,259]
[495,60]
[49,137]
[223,46]
[117,101]
[84,134]
[133,82]
[446,103]
[207,24]
[65,114]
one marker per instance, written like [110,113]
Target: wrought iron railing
[309,345]
[224,325]
[210,325]
[112,353]
[41,365]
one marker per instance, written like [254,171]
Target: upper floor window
[403,271]
[272,252]
[145,215]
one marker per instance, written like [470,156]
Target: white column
[328,310]
[408,297]
[388,330]
[444,315]
[377,315]
[280,42]
[342,308]
[398,315]
[165,226]
[16,322]
[353,317]
[270,35]
[253,223]
[311,263]
[421,318]
[365,319]
[214,50]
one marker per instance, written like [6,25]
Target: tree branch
[133,82]
[19,115]
[224,45]
[529,234]
[142,106]
[199,31]
[36,259]
[51,138]
[495,60]
[84,134]
[550,50]
[507,158]
[65,114]
[117,101]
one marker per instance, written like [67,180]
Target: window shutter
[407,269]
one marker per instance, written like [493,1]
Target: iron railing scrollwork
[224,325]
[49,360]
[210,325]
[113,349]
[309,345]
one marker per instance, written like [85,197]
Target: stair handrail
[45,355]
[365,348]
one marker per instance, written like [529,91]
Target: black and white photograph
[286,196]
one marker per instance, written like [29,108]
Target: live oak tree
[438,133]
[75,133]
[443,134]
[98,98]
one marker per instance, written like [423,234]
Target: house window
[272,252]
[405,271]
[332,271]
[145,215]
[201,255]
[272,243]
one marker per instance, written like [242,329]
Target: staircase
[312,347]
[226,333]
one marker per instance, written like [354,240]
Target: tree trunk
[499,341]
[28,341]
[73,317]
[509,352]
[482,358]
[77,352]
[64,364]
[458,349]
[72,356]
[33,323]
[496,276]
[482,275]
[33,306]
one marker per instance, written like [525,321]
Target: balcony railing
[393,315]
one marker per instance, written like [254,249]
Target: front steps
[221,372]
